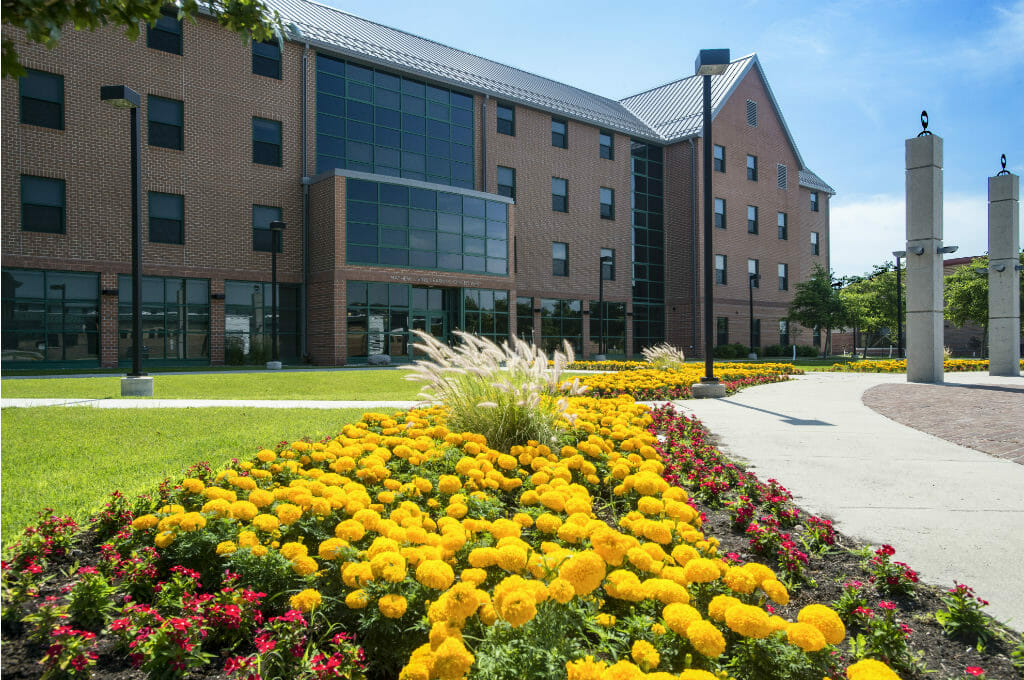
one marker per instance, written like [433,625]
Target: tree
[45,20]
[966,296]
[816,304]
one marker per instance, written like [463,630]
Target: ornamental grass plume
[664,356]
[509,393]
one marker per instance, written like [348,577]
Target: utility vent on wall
[751,113]
[782,176]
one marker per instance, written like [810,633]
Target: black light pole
[122,97]
[709,63]
[276,227]
[600,302]
[899,305]
[62,287]
[753,278]
[836,285]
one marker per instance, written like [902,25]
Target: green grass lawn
[368,385]
[70,459]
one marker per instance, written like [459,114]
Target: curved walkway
[951,512]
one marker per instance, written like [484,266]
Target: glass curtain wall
[614,327]
[249,322]
[648,216]
[175,319]
[561,320]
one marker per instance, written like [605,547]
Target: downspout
[303,296]
[693,254]
[483,142]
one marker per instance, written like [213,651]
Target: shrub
[807,351]
[664,356]
[775,351]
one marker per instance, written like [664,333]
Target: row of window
[753,272]
[165,35]
[782,172]
[559,193]
[559,131]
[722,332]
[560,261]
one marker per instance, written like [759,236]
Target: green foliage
[966,295]
[91,602]
[540,648]
[871,302]
[816,304]
[664,356]
[44,21]
[735,350]
[963,617]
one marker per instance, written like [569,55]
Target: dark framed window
[42,204]
[166,218]
[751,219]
[507,182]
[166,122]
[560,259]
[722,330]
[614,321]
[249,321]
[608,264]
[814,201]
[175,319]
[719,158]
[42,99]
[507,119]
[524,318]
[561,320]
[815,245]
[783,276]
[752,168]
[165,34]
[262,239]
[266,59]
[783,332]
[559,194]
[720,269]
[559,133]
[720,213]
[606,141]
[50,316]
[753,269]
[783,223]
[266,141]
[607,203]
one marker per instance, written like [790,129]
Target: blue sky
[851,79]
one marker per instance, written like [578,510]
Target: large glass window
[50,317]
[722,330]
[648,220]
[42,99]
[266,141]
[559,194]
[175,319]
[524,319]
[378,318]
[614,327]
[648,326]
[165,34]
[507,182]
[166,218]
[266,59]
[561,320]
[485,313]
[42,204]
[607,203]
[262,237]
[249,322]
[166,122]
[401,226]
[560,258]
[507,119]
[374,121]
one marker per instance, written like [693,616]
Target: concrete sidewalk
[951,512]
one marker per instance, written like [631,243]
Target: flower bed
[900,366]
[656,385]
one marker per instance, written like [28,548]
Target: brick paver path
[988,418]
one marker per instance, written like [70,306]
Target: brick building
[422,188]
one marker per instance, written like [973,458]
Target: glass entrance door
[428,314]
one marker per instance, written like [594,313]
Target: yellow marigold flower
[306,601]
[666,591]
[645,655]
[192,521]
[267,523]
[350,530]
[679,616]
[760,573]
[584,571]
[512,558]
[172,509]
[356,574]
[740,581]
[697,674]
[683,553]
[452,660]
[288,513]
[523,520]
[193,485]
[435,574]
[226,547]
[442,630]
[805,636]
[164,539]
[244,483]
[585,669]
[605,620]
[482,558]
[292,550]
[247,539]
[778,623]
[331,548]
[517,607]
[749,621]
[548,523]
[473,575]
[650,506]
[392,606]
[701,570]
[720,604]
[389,566]
[244,510]
[706,639]
[553,500]
[560,590]
[824,619]
[218,506]
[266,456]
[456,510]
[869,669]
[357,599]
[623,670]
[144,522]
[259,550]
[461,602]
[261,498]
[304,566]
[658,629]
[776,591]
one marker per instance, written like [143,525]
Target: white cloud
[866,229]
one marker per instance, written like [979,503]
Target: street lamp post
[899,305]
[709,63]
[605,260]
[276,227]
[137,383]
[752,279]
[62,287]
[836,285]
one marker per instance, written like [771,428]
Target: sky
[851,79]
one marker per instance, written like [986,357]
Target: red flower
[974,670]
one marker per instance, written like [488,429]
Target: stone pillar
[924,262]
[1003,286]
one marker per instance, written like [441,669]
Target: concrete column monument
[1003,276]
[924,261]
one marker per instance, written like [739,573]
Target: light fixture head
[711,62]
[277,225]
[120,97]
[607,259]
[916,250]
[899,253]
[999,267]
[981,270]
[947,249]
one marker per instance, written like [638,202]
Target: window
[755,333]
[722,330]
[249,321]
[719,160]
[50,316]
[783,332]
[166,218]
[720,269]
[559,194]
[507,119]
[166,122]
[506,182]
[262,239]
[607,264]
[752,168]
[815,247]
[720,213]
[783,175]
[176,318]
[524,319]
[783,222]
[561,320]
[605,142]
[266,141]
[42,99]
[751,113]
[751,219]
[608,329]
[816,336]
[783,277]
[266,59]
[753,270]
[559,133]
[165,34]
[560,259]
[814,201]
[485,313]
[607,203]
[42,204]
